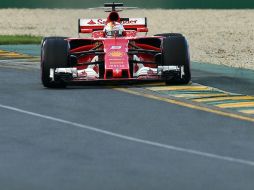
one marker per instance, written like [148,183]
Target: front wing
[89,74]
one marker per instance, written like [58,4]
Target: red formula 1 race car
[114,52]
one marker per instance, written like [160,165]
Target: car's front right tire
[176,53]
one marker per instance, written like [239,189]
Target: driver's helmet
[113,29]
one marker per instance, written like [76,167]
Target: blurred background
[165,4]
[218,31]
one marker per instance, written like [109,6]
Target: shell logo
[116,54]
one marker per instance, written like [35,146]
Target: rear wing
[90,25]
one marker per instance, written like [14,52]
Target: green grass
[19,39]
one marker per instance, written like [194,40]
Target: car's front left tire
[54,54]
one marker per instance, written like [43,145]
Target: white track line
[133,139]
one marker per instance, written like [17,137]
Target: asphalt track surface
[97,137]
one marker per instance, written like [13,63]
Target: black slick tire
[169,35]
[176,53]
[54,54]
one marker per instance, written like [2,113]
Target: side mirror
[142,29]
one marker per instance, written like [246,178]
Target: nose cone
[116,58]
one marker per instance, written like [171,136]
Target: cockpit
[113,27]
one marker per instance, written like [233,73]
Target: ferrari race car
[114,52]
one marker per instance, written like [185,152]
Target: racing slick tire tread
[54,54]
[53,37]
[176,53]
[169,34]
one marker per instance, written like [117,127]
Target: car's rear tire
[53,38]
[176,53]
[54,54]
[169,34]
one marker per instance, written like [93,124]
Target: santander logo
[103,21]
[91,22]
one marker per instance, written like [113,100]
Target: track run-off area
[136,136]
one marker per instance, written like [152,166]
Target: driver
[113,28]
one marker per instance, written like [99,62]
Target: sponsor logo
[116,54]
[116,47]
[91,22]
[129,22]
[115,59]
[103,21]
[116,65]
